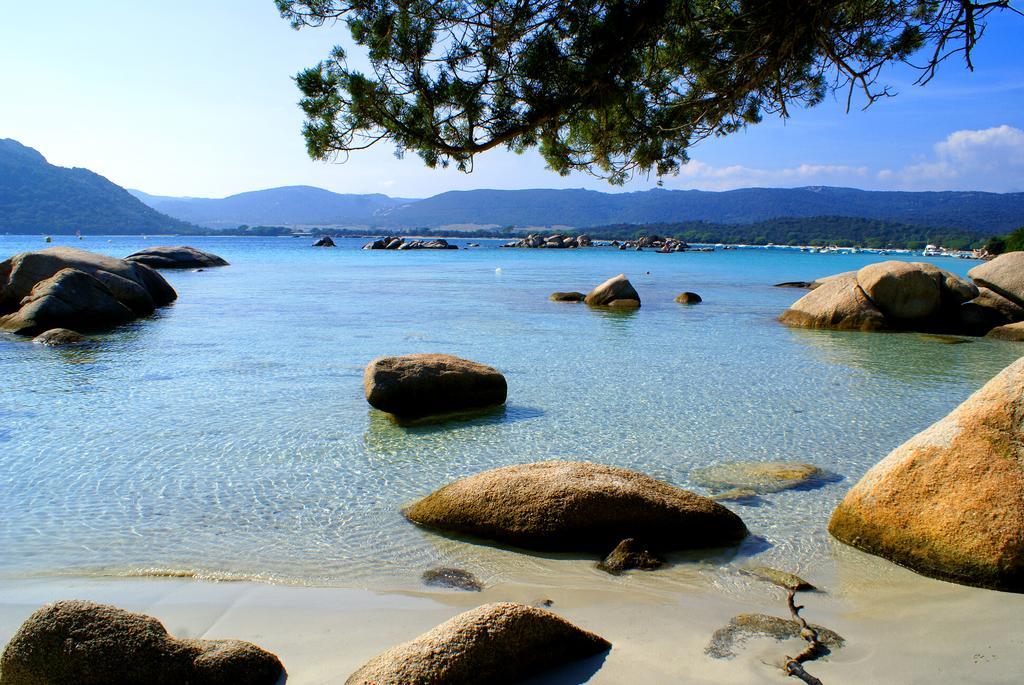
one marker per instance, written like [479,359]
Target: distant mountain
[969,212]
[38,197]
[974,212]
[290,205]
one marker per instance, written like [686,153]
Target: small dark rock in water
[761,477]
[179,257]
[724,640]
[783,579]
[544,602]
[738,495]
[944,339]
[688,298]
[198,271]
[324,241]
[629,554]
[794,284]
[455,578]
[566,297]
[59,336]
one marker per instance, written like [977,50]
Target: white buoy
[498,270]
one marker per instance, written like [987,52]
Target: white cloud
[702,175]
[986,159]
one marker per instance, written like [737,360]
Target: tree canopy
[610,87]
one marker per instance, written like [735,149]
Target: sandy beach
[899,627]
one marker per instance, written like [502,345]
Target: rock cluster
[555,241]
[496,643]
[653,241]
[395,243]
[95,644]
[949,502]
[62,287]
[415,386]
[181,257]
[576,507]
[896,295]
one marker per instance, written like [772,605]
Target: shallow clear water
[228,435]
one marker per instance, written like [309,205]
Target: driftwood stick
[795,664]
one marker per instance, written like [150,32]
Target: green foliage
[605,86]
[1014,242]
[816,231]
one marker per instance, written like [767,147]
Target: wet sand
[899,627]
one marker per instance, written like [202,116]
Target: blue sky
[196,98]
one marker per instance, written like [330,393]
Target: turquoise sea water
[228,436]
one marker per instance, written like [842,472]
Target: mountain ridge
[39,197]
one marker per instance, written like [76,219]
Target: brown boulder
[79,299]
[497,644]
[71,299]
[82,643]
[181,257]
[59,336]
[817,283]
[761,477]
[616,288]
[576,506]
[1004,275]
[839,303]
[688,298]
[1011,331]
[902,291]
[566,297]
[420,385]
[949,503]
[987,311]
[954,291]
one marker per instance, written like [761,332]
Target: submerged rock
[629,554]
[793,284]
[181,257]
[783,579]
[1004,275]
[324,241]
[739,495]
[688,298]
[82,643]
[62,287]
[566,297]
[455,578]
[421,385]
[497,644]
[949,503]
[576,506]
[759,477]
[59,336]
[744,626]
[617,288]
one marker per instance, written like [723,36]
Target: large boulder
[68,299]
[495,643]
[25,277]
[82,643]
[1004,275]
[420,385]
[576,506]
[901,290]
[1011,331]
[949,503]
[59,336]
[181,257]
[838,303]
[987,311]
[614,289]
[953,290]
